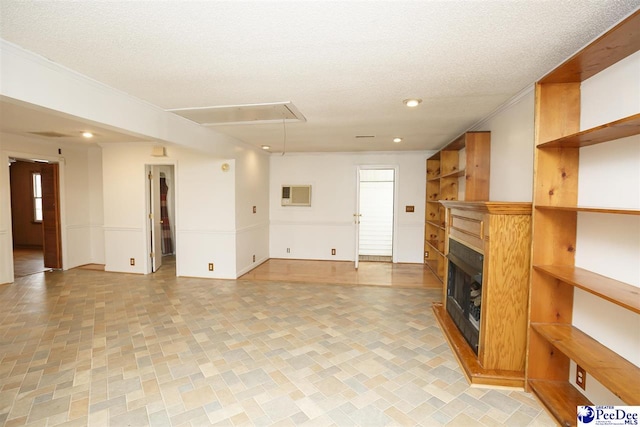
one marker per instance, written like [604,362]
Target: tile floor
[93,348]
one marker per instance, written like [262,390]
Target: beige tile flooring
[92,348]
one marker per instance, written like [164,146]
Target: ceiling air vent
[50,134]
[242,114]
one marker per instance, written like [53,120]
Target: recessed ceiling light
[412,102]
[266,147]
[87,134]
[396,140]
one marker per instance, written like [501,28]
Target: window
[36,183]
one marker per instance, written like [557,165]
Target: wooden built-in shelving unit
[553,340]
[445,169]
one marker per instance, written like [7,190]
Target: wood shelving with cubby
[444,172]
[553,340]
[613,371]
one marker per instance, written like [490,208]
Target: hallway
[28,261]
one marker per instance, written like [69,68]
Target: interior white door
[377,210]
[356,220]
[156,218]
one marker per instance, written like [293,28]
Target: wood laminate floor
[344,273]
[28,261]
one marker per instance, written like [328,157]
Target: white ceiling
[346,65]
[19,118]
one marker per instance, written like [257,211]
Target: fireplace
[464,290]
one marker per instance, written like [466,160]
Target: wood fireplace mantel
[501,231]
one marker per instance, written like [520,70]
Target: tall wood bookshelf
[466,159]
[553,340]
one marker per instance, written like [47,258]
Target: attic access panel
[241,114]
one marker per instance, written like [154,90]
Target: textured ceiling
[24,119]
[346,65]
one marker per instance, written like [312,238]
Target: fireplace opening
[464,290]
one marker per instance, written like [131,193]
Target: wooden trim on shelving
[622,128]
[614,291]
[621,211]
[613,46]
[612,370]
[560,398]
[499,208]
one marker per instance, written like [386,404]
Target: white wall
[77,176]
[205,210]
[252,189]
[610,244]
[512,147]
[311,232]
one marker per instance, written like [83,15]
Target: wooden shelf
[614,291]
[614,372]
[557,168]
[499,208]
[621,211]
[472,369]
[622,128]
[613,46]
[454,174]
[560,398]
[436,224]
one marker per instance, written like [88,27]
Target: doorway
[375,214]
[35,216]
[160,196]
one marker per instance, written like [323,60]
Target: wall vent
[50,134]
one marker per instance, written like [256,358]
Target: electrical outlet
[132,261]
[581,377]
[288,250]
[254,258]
[210,266]
[426,254]
[255,210]
[333,251]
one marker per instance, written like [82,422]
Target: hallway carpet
[92,348]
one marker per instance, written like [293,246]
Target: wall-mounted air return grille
[242,114]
